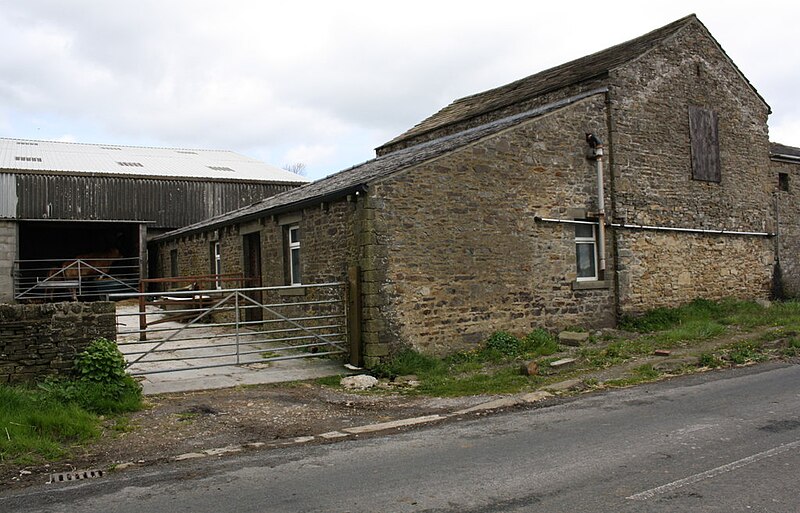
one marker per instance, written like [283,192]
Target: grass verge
[41,423]
[502,363]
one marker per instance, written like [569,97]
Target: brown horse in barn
[85,267]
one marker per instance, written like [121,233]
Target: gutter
[794,159]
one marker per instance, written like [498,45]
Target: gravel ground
[179,423]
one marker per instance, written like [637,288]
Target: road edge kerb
[352,432]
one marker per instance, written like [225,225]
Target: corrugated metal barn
[59,201]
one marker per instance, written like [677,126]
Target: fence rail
[199,329]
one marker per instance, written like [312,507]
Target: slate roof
[358,177]
[24,155]
[782,151]
[586,68]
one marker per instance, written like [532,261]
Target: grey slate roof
[358,177]
[781,150]
[352,179]
[586,68]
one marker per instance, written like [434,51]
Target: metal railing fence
[71,279]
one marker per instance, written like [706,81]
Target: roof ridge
[550,79]
[101,145]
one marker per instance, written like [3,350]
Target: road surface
[723,441]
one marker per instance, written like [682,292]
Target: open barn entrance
[63,260]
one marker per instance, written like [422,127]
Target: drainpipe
[597,155]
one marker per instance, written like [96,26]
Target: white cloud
[321,82]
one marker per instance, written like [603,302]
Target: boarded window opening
[703,128]
[783,182]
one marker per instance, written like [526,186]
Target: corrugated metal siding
[167,203]
[8,196]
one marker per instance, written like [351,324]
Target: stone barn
[633,178]
[60,201]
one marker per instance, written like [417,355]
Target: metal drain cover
[64,477]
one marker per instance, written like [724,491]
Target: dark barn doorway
[45,247]
[252,272]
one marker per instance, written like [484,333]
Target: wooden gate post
[354,314]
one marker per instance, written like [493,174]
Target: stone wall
[452,251]
[666,269]
[651,165]
[8,253]
[194,254]
[44,339]
[788,240]
[327,249]
[327,246]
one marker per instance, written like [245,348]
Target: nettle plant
[101,362]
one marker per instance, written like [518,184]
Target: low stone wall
[41,340]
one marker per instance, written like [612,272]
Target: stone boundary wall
[39,340]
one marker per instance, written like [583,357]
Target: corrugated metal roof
[112,159]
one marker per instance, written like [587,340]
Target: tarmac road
[724,441]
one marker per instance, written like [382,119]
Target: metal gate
[200,329]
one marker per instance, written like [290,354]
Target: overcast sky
[324,83]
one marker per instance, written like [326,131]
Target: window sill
[591,285]
[294,291]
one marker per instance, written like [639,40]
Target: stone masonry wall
[788,227]
[454,249]
[653,185]
[194,254]
[38,340]
[326,249]
[8,253]
[672,268]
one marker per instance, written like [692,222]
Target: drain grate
[64,477]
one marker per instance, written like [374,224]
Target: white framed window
[294,255]
[216,264]
[586,251]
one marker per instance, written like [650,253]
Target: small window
[294,255]
[216,264]
[173,263]
[586,252]
[704,132]
[783,182]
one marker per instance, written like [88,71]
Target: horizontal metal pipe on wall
[657,228]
